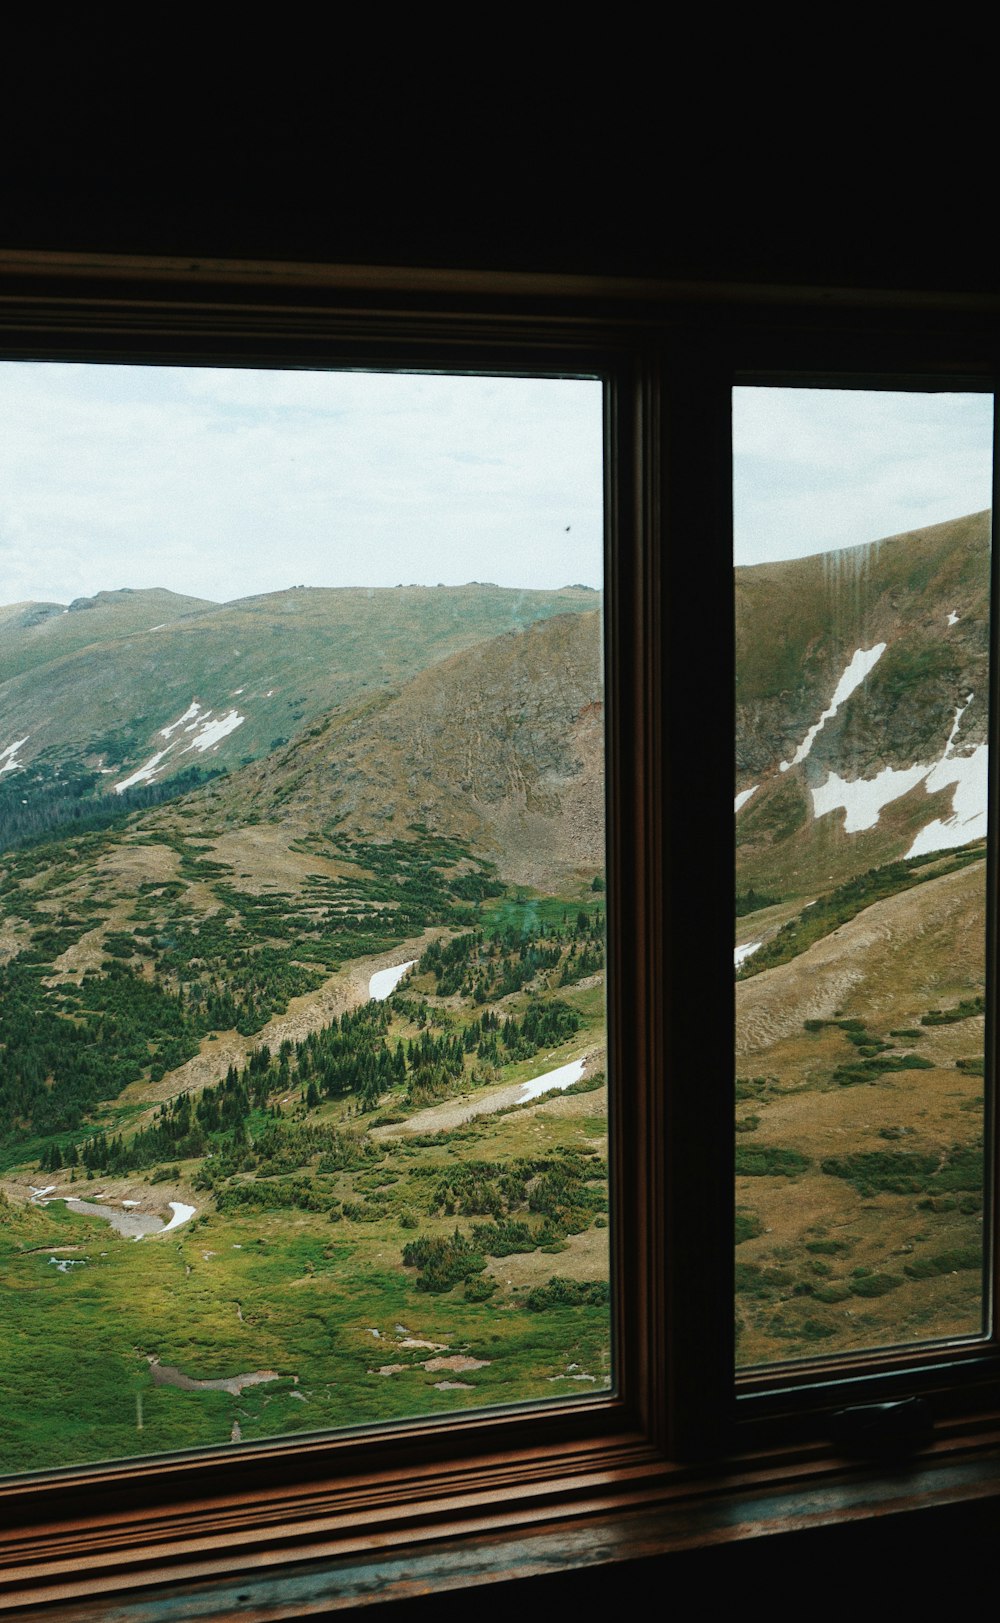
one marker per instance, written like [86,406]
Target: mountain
[35,634]
[199,1032]
[501,745]
[129,689]
[862,705]
[861,776]
[387,818]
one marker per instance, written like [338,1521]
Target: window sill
[616,1519]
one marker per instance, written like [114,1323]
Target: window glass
[862,543]
[302,1035]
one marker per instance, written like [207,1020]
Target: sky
[223,483]
[815,470]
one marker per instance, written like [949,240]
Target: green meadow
[319,1174]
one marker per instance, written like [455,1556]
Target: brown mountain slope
[501,744]
[891,963]
[836,1260]
[799,622]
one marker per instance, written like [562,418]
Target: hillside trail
[487,1101]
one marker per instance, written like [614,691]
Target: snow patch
[740,953]
[970,775]
[744,796]
[144,774]
[182,1214]
[12,764]
[953,618]
[959,713]
[385,981]
[213,732]
[863,661]
[152,628]
[192,710]
[562,1077]
[863,799]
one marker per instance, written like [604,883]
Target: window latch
[882,1430]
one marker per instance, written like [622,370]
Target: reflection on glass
[302,1043]
[862,539]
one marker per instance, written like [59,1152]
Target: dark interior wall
[425,186]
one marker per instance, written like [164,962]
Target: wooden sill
[603,1529]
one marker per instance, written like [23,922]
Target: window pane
[302,890]
[862,538]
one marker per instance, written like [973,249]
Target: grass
[301,1291]
[229,1295]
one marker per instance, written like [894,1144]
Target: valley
[325,1016]
[354,1209]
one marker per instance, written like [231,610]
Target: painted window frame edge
[671,364]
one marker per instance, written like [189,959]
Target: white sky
[819,469]
[226,483]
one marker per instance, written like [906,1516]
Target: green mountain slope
[34,634]
[142,686]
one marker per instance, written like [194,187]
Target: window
[671,365]
[301,805]
[861,807]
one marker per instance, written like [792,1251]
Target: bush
[870,1284]
[946,1262]
[568,1293]
[443,1263]
[479,1289]
[896,1172]
[760,1161]
[748,1225]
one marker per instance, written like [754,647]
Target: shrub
[946,1262]
[871,1284]
[748,1225]
[568,1293]
[760,1161]
[479,1289]
[442,1262]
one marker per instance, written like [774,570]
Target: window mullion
[691,602]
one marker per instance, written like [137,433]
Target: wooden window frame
[674,1434]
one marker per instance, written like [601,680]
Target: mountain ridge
[222,684]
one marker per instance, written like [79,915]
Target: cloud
[228,482]
[819,469]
